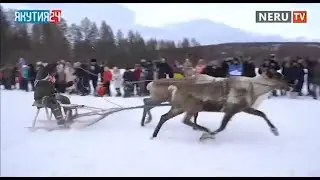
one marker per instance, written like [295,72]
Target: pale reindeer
[228,95]
[162,93]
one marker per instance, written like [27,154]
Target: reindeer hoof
[205,136]
[275,131]
[148,121]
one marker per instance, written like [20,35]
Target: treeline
[77,42]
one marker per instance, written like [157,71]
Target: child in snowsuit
[101,90]
[45,93]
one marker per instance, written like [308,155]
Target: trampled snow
[118,146]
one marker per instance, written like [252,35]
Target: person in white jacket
[69,70]
[117,80]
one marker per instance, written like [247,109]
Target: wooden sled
[49,113]
[92,111]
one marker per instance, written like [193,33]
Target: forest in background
[87,40]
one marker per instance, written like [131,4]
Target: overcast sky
[236,15]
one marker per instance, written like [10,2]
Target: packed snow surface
[118,146]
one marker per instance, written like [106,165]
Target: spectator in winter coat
[274,65]
[117,80]
[225,66]
[177,69]
[269,64]
[14,75]
[310,65]
[20,64]
[146,75]
[285,64]
[128,79]
[297,74]
[264,67]
[164,69]
[286,67]
[128,75]
[101,67]
[188,68]
[212,69]
[60,78]
[107,78]
[82,79]
[6,77]
[316,80]
[249,69]
[32,75]
[22,68]
[94,73]
[302,64]
[39,64]
[137,74]
[200,66]
[24,77]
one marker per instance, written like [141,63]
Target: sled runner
[51,125]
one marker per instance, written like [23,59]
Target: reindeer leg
[172,113]
[149,117]
[187,121]
[227,117]
[256,112]
[195,118]
[146,110]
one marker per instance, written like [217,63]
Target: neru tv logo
[281,16]
[38,16]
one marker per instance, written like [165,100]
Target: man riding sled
[45,93]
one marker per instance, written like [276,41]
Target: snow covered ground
[118,146]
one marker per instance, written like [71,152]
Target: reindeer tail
[149,86]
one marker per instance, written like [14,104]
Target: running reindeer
[160,94]
[228,95]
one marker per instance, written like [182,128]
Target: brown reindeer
[230,95]
[160,92]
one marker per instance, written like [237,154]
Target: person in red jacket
[107,77]
[137,73]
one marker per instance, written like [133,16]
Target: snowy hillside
[118,146]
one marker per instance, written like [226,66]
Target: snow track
[118,146]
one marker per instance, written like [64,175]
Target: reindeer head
[278,80]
